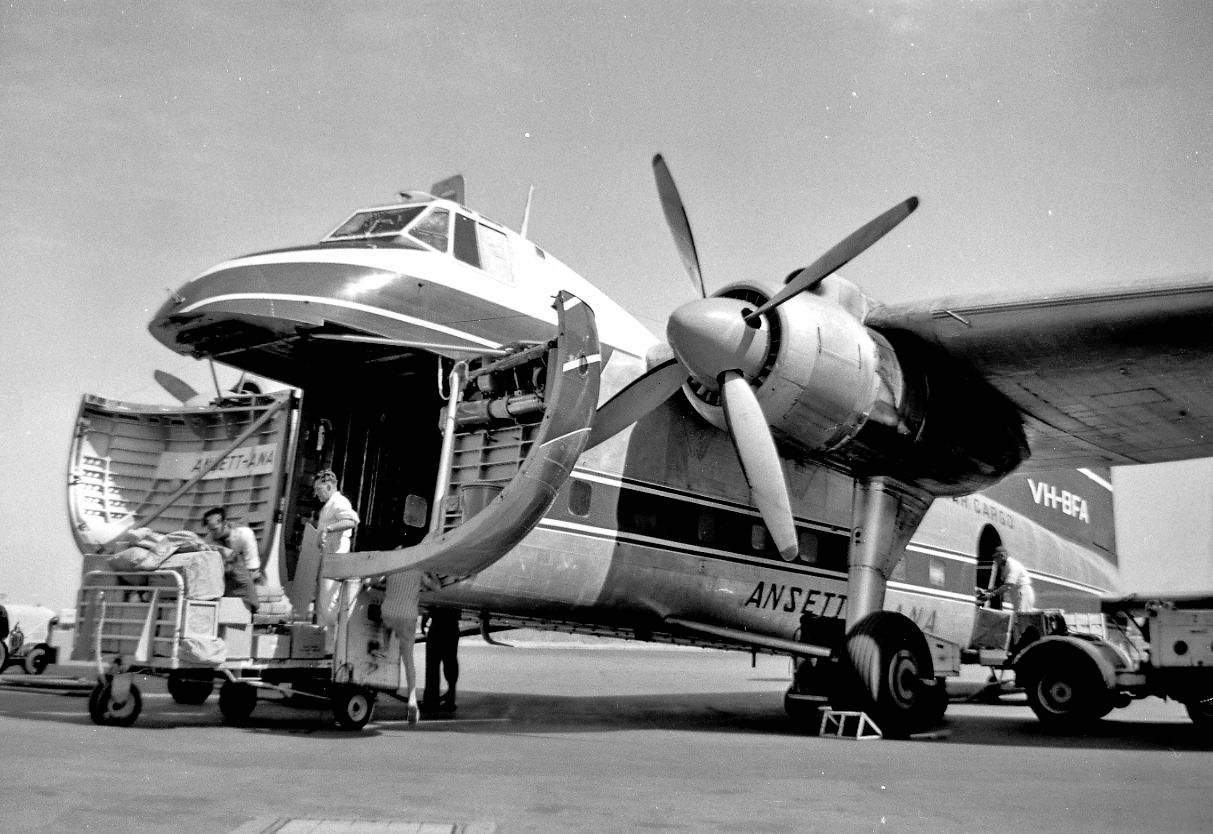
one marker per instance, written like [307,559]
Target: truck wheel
[888,664]
[353,707]
[1200,710]
[105,711]
[190,688]
[237,701]
[37,659]
[1066,689]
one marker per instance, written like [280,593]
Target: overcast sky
[1052,145]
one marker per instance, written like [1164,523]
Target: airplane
[796,469]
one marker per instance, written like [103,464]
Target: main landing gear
[883,665]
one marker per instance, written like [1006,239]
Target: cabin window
[706,528]
[580,494]
[416,509]
[465,240]
[433,229]
[807,541]
[758,537]
[937,573]
[494,254]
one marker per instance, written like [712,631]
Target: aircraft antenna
[526,212]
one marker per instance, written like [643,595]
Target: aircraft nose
[709,336]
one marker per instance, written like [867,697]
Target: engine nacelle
[876,404]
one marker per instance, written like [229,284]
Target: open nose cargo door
[502,464]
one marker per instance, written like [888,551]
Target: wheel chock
[852,724]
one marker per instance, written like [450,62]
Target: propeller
[759,460]
[640,397]
[176,386]
[676,218]
[723,343]
[838,256]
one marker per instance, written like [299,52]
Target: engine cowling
[874,403]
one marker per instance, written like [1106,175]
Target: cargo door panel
[134,465]
[504,473]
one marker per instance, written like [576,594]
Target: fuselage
[657,522]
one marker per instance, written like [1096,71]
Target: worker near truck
[1013,577]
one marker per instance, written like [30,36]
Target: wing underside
[1121,376]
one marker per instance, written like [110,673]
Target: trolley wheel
[237,701]
[37,659]
[190,687]
[105,711]
[353,707]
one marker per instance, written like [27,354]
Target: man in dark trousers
[441,657]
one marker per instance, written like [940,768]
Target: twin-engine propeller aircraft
[801,470]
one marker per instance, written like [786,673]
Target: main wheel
[3,654]
[887,671]
[104,710]
[1065,688]
[37,659]
[192,688]
[237,701]
[353,707]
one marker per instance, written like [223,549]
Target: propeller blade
[759,460]
[636,400]
[405,343]
[676,218]
[839,255]
[179,388]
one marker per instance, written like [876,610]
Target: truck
[1076,668]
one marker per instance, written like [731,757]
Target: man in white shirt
[1013,577]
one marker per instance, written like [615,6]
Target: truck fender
[1042,650]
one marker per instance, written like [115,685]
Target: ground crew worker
[335,527]
[441,658]
[238,538]
[1011,576]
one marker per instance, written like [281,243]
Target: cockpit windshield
[377,222]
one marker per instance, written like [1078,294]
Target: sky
[1052,145]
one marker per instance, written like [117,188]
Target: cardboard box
[238,638]
[307,641]
[267,646]
[233,610]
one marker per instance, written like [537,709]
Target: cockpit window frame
[393,229]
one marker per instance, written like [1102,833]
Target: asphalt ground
[577,737]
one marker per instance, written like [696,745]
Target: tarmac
[585,735]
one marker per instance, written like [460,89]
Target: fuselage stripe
[338,302]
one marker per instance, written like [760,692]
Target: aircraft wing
[1119,376]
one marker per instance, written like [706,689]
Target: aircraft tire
[190,689]
[237,702]
[3,655]
[1066,689]
[37,659]
[103,710]
[885,661]
[353,707]
[1200,710]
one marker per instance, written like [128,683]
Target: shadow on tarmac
[1007,724]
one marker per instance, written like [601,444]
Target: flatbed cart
[143,623]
